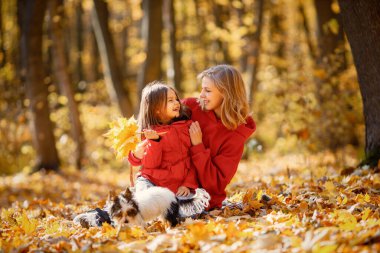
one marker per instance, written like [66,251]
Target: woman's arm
[190,180]
[215,173]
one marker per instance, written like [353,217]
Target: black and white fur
[137,208]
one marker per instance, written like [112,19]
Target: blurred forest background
[67,68]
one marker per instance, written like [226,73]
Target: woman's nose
[202,94]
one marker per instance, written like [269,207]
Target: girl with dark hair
[164,152]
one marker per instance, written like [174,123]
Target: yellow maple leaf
[108,231]
[28,225]
[254,204]
[346,220]
[123,136]
[318,248]
[330,187]
[366,213]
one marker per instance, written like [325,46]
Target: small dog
[137,208]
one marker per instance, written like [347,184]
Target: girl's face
[210,97]
[172,108]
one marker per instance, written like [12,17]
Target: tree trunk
[2,49]
[253,59]
[330,43]
[31,50]
[90,51]
[79,40]
[152,35]
[56,9]
[221,15]
[278,34]
[175,72]
[201,60]
[112,72]
[361,19]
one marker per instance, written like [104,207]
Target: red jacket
[167,161]
[217,158]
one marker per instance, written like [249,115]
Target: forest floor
[293,203]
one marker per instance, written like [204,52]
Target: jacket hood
[247,129]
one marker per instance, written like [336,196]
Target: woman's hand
[195,133]
[151,134]
[139,151]
[183,191]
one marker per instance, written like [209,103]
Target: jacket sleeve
[133,160]
[153,156]
[190,180]
[214,174]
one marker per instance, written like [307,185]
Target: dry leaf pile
[303,209]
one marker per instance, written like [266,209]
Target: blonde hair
[228,81]
[153,99]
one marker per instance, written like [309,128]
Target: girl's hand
[151,134]
[139,151]
[195,133]
[183,191]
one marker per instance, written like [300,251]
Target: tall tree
[56,10]
[91,60]
[2,49]
[255,42]
[175,54]
[221,16]
[361,19]
[32,16]
[79,40]
[330,37]
[152,34]
[112,72]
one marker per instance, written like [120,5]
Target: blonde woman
[222,123]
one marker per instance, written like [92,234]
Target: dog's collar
[103,216]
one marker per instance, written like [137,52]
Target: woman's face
[210,97]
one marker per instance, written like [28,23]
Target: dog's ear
[132,212]
[111,195]
[127,194]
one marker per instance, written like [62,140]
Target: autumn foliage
[123,136]
[315,207]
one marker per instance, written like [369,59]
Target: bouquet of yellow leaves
[123,136]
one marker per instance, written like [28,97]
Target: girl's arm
[135,157]
[147,152]
[153,154]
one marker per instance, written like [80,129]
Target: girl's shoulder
[181,123]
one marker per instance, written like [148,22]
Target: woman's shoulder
[246,129]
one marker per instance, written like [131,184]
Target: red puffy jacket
[217,158]
[167,161]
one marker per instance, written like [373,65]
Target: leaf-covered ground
[289,204]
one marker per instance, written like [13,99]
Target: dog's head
[122,208]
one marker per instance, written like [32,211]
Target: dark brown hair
[153,99]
